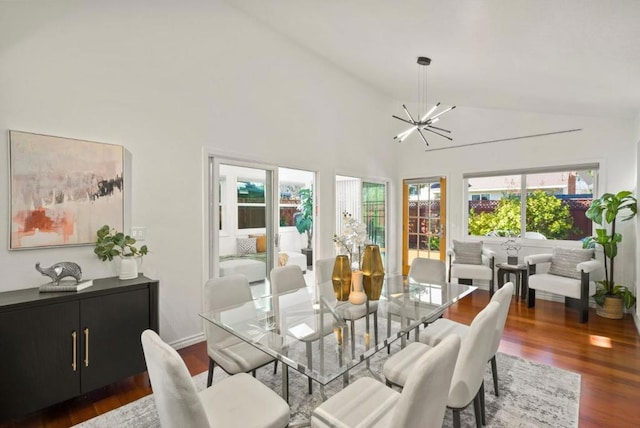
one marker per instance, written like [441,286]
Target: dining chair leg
[375,327]
[456,418]
[389,332]
[210,374]
[482,405]
[310,364]
[253,372]
[353,338]
[494,371]
[477,409]
[275,366]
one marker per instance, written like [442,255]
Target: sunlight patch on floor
[600,341]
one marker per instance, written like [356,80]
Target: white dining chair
[179,404]
[422,270]
[443,327]
[422,403]
[467,384]
[290,279]
[229,352]
[348,311]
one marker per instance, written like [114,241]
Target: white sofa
[294,258]
[254,270]
[254,266]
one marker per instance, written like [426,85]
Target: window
[551,202]
[221,197]
[289,201]
[366,201]
[373,211]
[251,204]
[480,197]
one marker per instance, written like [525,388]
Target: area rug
[531,395]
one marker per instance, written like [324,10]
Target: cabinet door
[36,357]
[110,327]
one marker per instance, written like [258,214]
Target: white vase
[357,295]
[128,268]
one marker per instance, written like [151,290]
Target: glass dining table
[309,335]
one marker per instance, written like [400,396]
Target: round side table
[505,270]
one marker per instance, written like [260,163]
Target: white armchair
[471,260]
[572,273]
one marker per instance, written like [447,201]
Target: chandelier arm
[405,134]
[439,129]
[424,118]
[409,114]
[437,133]
[401,136]
[423,137]
[404,120]
[443,112]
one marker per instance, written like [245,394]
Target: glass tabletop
[312,336]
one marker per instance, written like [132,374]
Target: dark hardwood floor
[605,352]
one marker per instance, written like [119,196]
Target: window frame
[523,173]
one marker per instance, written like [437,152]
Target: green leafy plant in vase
[111,243]
[604,211]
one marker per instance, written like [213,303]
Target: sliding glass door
[243,230]
[260,217]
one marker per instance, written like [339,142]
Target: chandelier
[429,118]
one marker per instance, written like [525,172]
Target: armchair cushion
[468,253]
[564,261]
[480,271]
[559,285]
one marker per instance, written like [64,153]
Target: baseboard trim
[636,320]
[188,341]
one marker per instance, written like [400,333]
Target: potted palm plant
[304,221]
[604,211]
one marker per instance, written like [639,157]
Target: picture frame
[62,190]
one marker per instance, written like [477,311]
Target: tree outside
[546,214]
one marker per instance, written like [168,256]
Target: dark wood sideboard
[56,346]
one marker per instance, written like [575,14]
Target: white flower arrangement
[352,240]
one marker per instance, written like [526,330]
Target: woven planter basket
[613,308]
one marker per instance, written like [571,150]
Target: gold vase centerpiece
[341,278]
[373,272]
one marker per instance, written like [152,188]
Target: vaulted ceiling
[559,56]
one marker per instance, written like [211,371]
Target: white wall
[172,82]
[609,141]
[166,80]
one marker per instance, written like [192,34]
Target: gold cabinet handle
[74,336]
[86,347]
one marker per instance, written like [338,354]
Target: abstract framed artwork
[63,190]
